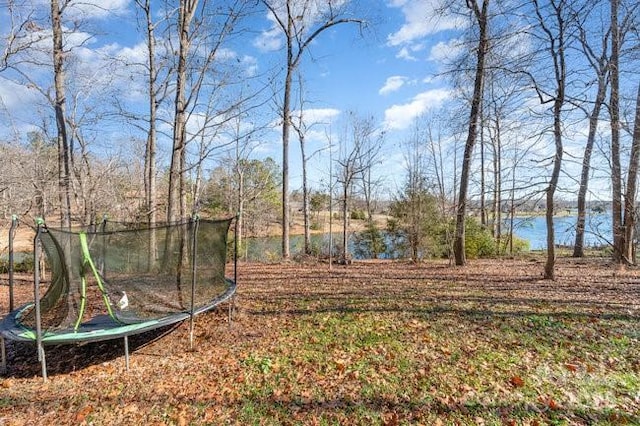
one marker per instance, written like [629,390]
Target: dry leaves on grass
[373,343]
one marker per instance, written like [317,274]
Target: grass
[374,343]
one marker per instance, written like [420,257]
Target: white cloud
[445,51]
[392,84]
[251,65]
[319,115]
[97,9]
[405,54]
[269,41]
[14,95]
[401,116]
[422,18]
[136,54]
[91,9]
[307,15]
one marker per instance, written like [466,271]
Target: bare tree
[153,102]
[190,76]
[628,252]
[20,35]
[599,63]
[359,152]
[614,113]
[301,129]
[481,16]
[64,148]
[300,23]
[553,24]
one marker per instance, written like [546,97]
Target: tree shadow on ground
[410,411]
[22,358]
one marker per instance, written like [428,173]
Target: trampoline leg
[231,308]
[126,352]
[3,349]
[43,361]
[191,328]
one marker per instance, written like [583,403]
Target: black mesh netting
[131,273]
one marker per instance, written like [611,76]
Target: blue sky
[387,70]
[390,70]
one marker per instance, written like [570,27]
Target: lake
[534,229]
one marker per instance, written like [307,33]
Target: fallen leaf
[390,419]
[517,381]
[549,402]
[571,367]
[82,414]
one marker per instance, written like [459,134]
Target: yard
[376,342]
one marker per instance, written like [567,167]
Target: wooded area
[545,95]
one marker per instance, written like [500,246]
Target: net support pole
[37,251]
[3,349]
[235,266]
[126,352]
[194,268]
[12,235]
[103,236]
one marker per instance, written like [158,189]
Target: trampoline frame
[102,327]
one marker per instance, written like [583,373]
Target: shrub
[358,215]
[478,241]
[22,265]
[369,244]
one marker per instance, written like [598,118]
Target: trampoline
[120,279]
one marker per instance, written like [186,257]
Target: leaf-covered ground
[372,343]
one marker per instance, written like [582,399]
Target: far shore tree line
[527,84]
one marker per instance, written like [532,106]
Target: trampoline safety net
[130,274]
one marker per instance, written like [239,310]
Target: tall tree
[599,63]
[150,146]
[176,204]
[614,113]
[628,252]
[553,24]
[415,209]
[481,16]
[300,23]
[360,150]
[201,32]
[64,148]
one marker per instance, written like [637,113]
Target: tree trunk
[558,102]
[578,248]
[64,149]
[177,195]
[483,44]
[150,149]
[632,183]
[549,267]
[286,122]
[345,210]
[614,111]
[483,207]
[497,185]
[305,199]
